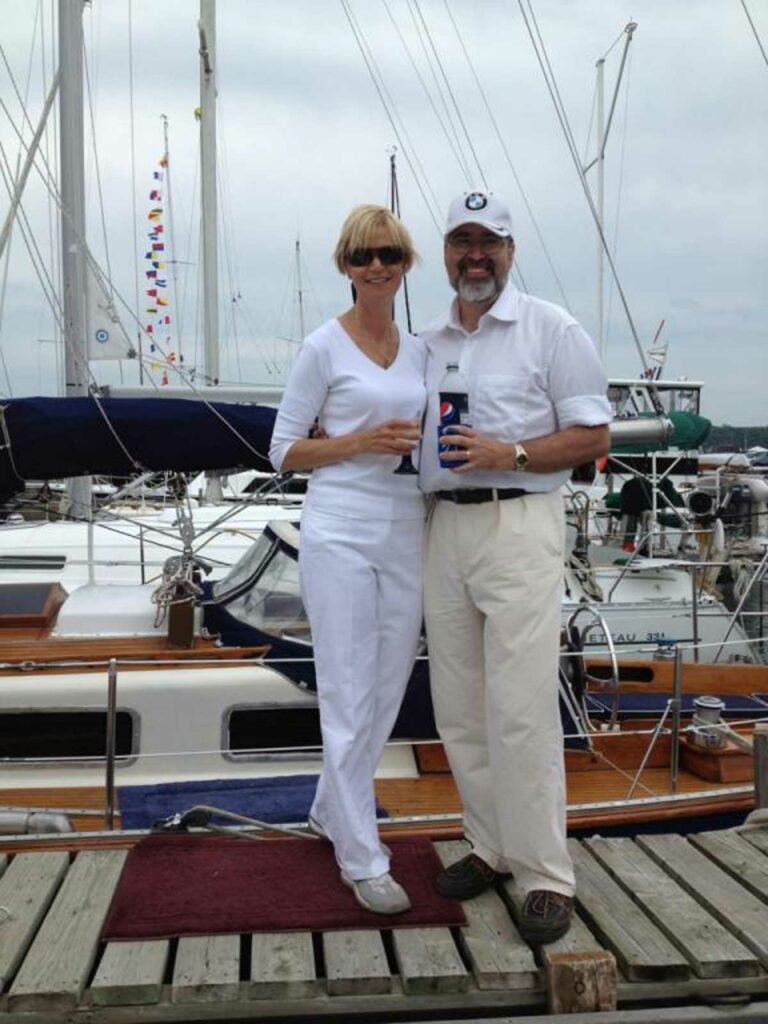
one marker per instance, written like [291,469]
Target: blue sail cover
[53,438]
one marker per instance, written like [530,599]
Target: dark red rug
[210,885]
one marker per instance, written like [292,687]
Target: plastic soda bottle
[454,409]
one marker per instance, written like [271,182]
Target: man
[494,561]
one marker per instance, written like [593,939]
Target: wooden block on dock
[282,966]
[734,906]
[710,948]
[642,951]
[492,945]
[26,891]
[580,982]
[429,961]
[59,961]
[130,973]
[356,963]
[207,969]
[739,858]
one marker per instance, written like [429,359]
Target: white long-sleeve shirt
[333,380]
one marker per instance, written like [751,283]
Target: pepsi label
[454,411]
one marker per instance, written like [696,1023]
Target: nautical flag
[158,246]
[151,309]
[164,379]
[149,328]
[155,214]
[161,301]
[167,318]
[155,194]
[157,175]
[163,161]
[152,292]
[159,283]
[151,273]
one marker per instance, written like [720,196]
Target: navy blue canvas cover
[54,438]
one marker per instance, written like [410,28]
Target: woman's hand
[392,437]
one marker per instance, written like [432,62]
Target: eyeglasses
[388,255]
[489,244]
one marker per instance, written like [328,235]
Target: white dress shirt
[531,370]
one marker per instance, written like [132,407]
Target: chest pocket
[500,405]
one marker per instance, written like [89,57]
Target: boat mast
[73,261]
[603,130]
[299,290]
[207,30]
[394,205]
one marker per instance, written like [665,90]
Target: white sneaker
[382,895]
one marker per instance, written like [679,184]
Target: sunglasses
[388,255]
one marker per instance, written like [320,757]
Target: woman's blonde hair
[361,225]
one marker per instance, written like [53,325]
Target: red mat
[211,885]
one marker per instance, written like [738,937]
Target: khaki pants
[493,580]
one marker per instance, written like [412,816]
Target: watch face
[521,458]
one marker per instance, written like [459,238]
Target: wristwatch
[522,457]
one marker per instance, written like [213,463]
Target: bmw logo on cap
[476,201]
[102,336]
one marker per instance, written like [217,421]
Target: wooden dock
[662,919]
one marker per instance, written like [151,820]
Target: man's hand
[476,451]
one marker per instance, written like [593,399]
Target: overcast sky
[303,137]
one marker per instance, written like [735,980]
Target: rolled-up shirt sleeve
[577,383]
[302,401]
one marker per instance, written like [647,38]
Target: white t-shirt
[531,370]
[332,379]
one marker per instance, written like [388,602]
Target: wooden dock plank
[207,969]
[734,854]
[428,961]
[709,947]
[130,973]
[356,963]
[491,943]
[733,905]
[56,967]
[642,951]
[26,890]
[283,966]
[757,837]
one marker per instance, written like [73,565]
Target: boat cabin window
[46,563]
[257,730]
[46,734]
[262,590]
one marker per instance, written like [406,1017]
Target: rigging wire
[456,144]
[451,94]
[134,203]
[510,164]
[380,90]
[754,30]
[456,151]
[102,216]
[541,56]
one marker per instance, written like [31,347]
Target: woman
[361,535]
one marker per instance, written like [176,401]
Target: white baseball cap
[487,209]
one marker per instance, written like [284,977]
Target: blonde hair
[361,225]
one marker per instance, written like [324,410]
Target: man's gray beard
[478,291]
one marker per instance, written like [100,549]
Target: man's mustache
[486,264]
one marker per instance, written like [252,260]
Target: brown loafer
[466,878]
[546,916]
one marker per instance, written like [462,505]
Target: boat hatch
[29,605]
[46,563]
[43,734]
[262,589]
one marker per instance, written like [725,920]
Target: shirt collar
[505,308]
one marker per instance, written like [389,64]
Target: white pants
[492,592]
[361,585]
